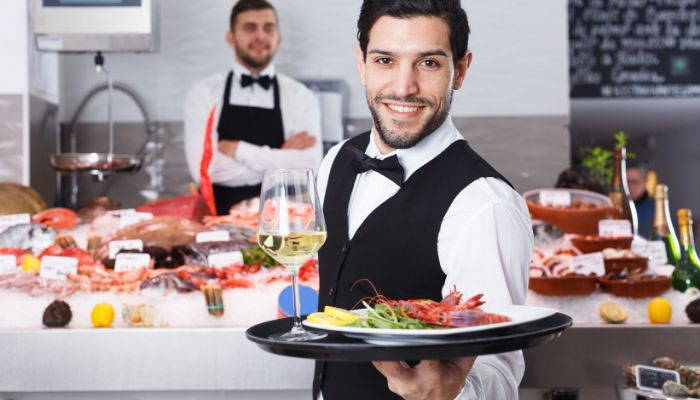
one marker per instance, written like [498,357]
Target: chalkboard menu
[634,48]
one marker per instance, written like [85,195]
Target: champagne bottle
[687,272]
[663,228]
[619,193]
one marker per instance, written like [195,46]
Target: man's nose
[406,83]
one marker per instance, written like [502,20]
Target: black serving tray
[337,347]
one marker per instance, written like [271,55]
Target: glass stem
[295,296]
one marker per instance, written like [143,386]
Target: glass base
[298,335]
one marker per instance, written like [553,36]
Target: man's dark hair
[450,11]
[248,5]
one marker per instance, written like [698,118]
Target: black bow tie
[264,81]
[389,167]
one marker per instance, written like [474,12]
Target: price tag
[132,261]
[8,264]
[555,198]
[655,250]
[214,236]
[589,263]
[7,221]
[134,218]
[614,227]
[653,379]
[225,259]
[119,213]
[53,267]
[661,269]
[119,245]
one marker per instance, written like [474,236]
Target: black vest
[395,248]
[255,125]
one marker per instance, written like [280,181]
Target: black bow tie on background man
[389,167]
[264,81]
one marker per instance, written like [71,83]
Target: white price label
[8,264]
[614,227]
[119,245]
[661,269]
[119,213]
[213,236]
[655,250]
[225,259]
[7,221]
[555,198]
[53,267]
[134,218]
[132,261]
[589,263]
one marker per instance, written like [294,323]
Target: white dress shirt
[300,112]
[484,245]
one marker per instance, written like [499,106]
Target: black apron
[255,125]
[396,248]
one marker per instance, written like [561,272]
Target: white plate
[518,315]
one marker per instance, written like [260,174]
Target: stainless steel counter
[592,356]
[136,360]
[143,360]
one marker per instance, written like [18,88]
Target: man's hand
[228,147]
[429,380]
[299,141]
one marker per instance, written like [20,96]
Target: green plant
[599,161]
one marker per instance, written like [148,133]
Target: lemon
[102,315]
[30,263]
[324,319]
[659,311]
[341,314]
[613,313]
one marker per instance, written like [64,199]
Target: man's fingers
[393,370]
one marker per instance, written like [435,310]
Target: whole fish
[27,236]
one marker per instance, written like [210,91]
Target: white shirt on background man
[300,112]
[484,245]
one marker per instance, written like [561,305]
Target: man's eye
[384,60]
[431,63]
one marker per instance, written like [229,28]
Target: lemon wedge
[325,319]
[341,314]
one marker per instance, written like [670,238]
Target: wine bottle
[687,272]
[663,228]
[619,193]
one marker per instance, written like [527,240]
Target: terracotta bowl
[571,220]
[636,288]
[564,286]
[600,243]
[639,264]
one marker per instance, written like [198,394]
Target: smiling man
[265,120]
[412,208]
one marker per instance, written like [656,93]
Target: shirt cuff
[472,389]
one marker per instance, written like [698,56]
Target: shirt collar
[414,158]
[239,69]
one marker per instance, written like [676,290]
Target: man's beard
[250,61]
[397,139]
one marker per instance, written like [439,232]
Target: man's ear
[360,59]
[229,39]
[461,70]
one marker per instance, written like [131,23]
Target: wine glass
[291,229]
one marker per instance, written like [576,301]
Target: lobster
[451,311]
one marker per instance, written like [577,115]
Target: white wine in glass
[291,229]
